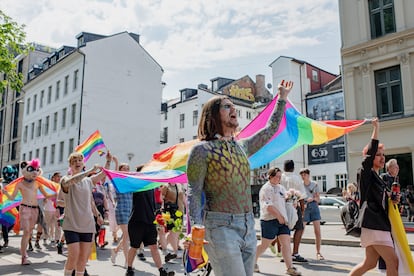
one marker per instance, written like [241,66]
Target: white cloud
[186,34]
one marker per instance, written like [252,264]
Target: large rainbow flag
[49,186]
[90,145]
[295,130]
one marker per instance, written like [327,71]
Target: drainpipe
[81,96]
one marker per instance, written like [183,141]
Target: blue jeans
[232,243]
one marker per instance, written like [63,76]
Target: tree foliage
[12,44]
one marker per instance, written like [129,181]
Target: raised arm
[101,175]
[68,181]
[14,194]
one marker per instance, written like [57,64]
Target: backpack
[350,211]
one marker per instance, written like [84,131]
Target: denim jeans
[232,243]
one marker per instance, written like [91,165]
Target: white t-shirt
[272,195]
[291,180]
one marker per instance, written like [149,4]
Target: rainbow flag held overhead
[295,130]
[126,182]
[6,204]
[90,145]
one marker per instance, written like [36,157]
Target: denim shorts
[232,243]
[312,212]
[272,228]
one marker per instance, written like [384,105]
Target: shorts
[72,237]
[312,212]
[28,216]
[142,233]
[272,228]
[299,223]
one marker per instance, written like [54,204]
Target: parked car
[330,207]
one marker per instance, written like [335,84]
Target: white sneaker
[113,255]
[256,268]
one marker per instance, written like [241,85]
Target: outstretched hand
[284,88]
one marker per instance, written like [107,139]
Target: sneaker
[256,268]
[59,248]
[319,257]
[113,255]
[37,245]
[279,254]
[298,258]
[293,271]
[142,257]
[6,244]
[272,248]
[103,245]
[130,272]
[30,247]
[1,249]
[164,272]
[169,257]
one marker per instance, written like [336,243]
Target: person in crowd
[351,192]
[312,213]
[391,175]
[173,200]
[141,229]
[110,197]
[60,208]
[410,202]
[122,212]
[49,210]
[274,219]
[101,204]
[9,174]
[29,206]
[290,180]
[218,168]
[376,228]
[79,223]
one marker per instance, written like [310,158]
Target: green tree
[12,44]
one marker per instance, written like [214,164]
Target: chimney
[260,87]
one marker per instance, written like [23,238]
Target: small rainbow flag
[90,145]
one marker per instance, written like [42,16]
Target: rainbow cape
[90,145]
[8,218]
[295,130]
[127,182]
[6,204]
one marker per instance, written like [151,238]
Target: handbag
[355,229]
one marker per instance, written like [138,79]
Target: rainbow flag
[90,145]
[127,182]
[8,218]
[6,204]
[295,130]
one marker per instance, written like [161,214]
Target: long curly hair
[210,122]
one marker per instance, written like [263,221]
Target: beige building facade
[378,78]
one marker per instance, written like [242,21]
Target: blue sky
[194,40]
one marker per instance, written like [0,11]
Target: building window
[73,115]
[321,180]
[32,131]
[71,145]
[44,155]
[49,94]
[30,155]
[57,90]
[39,128]
[64,117]
[315,76]
[75,79]
[47,125]
[389,92]
[27,106]
[248,115]
[52,154]
[37,153]
[24,156]
[238,113]
[341,180]
[34,102]
[181,140]
[61,150]
[381,17]
[66,88]
[164,136]
[182,117]
[42,98]
[26,128]
[195,117]
[13,151]
[55,119]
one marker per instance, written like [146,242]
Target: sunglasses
[31,169]
[227,106]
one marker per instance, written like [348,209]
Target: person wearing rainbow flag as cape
[218,167]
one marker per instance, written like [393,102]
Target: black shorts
[72,237]
[299,223]
[142,233]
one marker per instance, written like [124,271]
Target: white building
[310,82]
[107,83]
[378,78]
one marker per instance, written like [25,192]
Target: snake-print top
[221,169]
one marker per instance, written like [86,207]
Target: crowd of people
[219,198]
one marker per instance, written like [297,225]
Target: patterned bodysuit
[221,169]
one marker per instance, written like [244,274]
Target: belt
[30,206]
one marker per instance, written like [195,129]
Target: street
[340,257]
